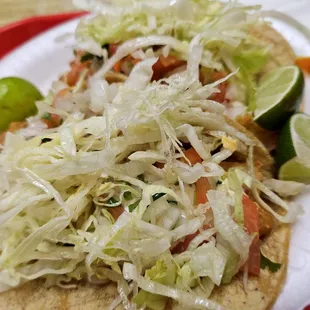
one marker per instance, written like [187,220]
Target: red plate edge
[17,33]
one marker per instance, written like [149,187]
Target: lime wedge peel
[17,100]
[279,95]
[293,150]
[294,170]
[300,124]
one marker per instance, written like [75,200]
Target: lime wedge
[279,95]
[17,100]
[295,171]
[293,149]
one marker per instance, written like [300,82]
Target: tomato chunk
[116,212]
[192,156]
[113,48]
[220,96]
[53,121]
[213,77]
[77,67]
[159,165]
[183,245]
[165,65]
[13,127]
[303,63]
[202,187]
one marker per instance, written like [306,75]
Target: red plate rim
[17,33]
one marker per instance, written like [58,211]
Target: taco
[141,179]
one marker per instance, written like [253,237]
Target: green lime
[293,149]
[293,170]
[279,95]
[17,100]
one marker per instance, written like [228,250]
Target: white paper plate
[42,60]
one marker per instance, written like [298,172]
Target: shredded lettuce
[236,186]
[124,20]
[190,300]
[208,261]
[110,193]
[186,278]
[284,188]
[217,25]
[205,287]
[238,239]
[232,259]
[250,62]
[163,272]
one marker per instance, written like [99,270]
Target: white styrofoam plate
[43,59]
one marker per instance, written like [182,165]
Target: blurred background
[12,10]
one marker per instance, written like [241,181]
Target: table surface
[13,10]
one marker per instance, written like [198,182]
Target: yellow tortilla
[281,52]
[34,296]
[261,292]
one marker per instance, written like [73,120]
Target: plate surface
[43,59]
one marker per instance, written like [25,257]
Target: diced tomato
[117,67]
[77,67]
[215,76]
[159,165]
[13,127]
[55,119]
[303,63]
[74,75]
[134,61]
[251,225]
[250,211]
[53,122]
[254,257]
[192,156]
[219,97]
[64,92]
[202,187]
[113,48]
[116,212]
[165,65]
[183,245]
[129,61]
[168,61]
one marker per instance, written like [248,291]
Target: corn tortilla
[262,291]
